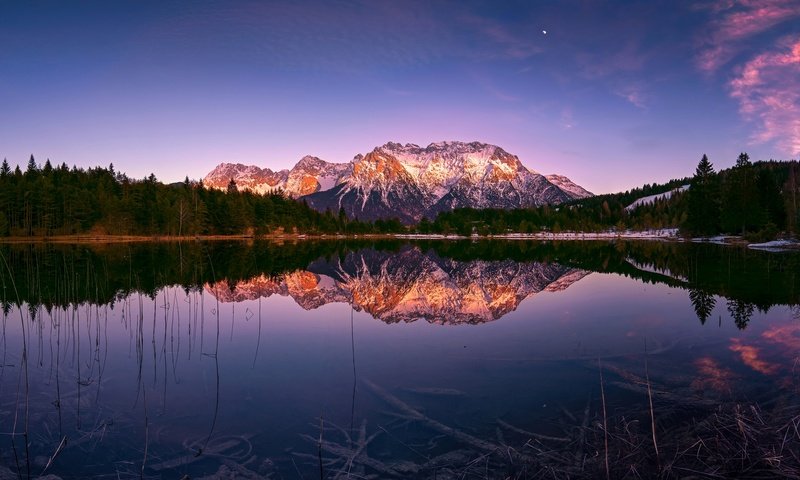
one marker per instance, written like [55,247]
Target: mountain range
[408,285]
[408,182]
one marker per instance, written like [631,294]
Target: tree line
[58,200]
[757,200]
[55,275]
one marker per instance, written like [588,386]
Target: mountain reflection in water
[262,360]
[409,285]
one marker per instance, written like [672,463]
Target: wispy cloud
[634,94]
[399,92]
[768,91]
[567,119]
[751,356]
[490,87]
[737,21]
[503,40]
[786,335]
[601,64]
[713,375]
[334,35]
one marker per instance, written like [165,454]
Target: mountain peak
[408,181]
[567,185]
[410,284]
[310,162]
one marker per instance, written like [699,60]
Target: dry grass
[695,440]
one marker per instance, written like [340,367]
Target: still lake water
[412,360]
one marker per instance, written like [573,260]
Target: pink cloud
[751,356]
[786,335]
[768,91]
[712,375]
[738,21]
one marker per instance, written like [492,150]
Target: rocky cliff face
[309,175]
[408,181]
[410,285]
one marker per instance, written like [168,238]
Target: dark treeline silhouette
[755,278]
[593,214]
[758,200]
[62,274]
[48,200]
[57,275]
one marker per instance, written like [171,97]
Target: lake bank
[662,235]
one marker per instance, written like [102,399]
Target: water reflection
[408,285]
[166,360]
[443,282]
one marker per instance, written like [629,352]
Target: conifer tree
[32,167]
[703,303]
[704,209]
[742,212]
[770,199]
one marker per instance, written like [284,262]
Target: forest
[757,200]
[48,201]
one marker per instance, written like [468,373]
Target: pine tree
[704,209]
[703,304]
[232,188]
[5,170]
[770,199]
[790,187]
[741,212]
[32,167]
[741,312]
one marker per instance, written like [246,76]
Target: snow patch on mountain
[653,198]
[567,185]
[410,284]
[408,181]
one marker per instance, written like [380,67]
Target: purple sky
[614,95]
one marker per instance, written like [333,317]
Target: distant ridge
[408,181]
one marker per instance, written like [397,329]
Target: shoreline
[664,235]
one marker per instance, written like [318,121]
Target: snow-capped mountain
[409,181]
[565,184]
[309,175]
[259,180]
[410,284]
[313,175]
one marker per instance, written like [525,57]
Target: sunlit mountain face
[407,181]
[409,285]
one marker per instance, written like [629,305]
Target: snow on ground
[426,236]
[718,240]
[653,198]
[659,271]
[326,183]
[664,233]
[661,234]
[776,245]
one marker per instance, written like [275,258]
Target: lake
[428,359]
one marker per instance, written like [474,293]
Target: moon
[544,32]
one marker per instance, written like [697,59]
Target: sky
[612,94]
